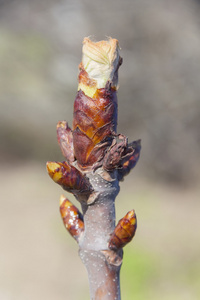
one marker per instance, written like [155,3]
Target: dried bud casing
[124,231]
[72,218]
[130,159]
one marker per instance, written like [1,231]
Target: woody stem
[102,264]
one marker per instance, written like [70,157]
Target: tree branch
[97,158]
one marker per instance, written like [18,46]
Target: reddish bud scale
[124,231]
[84,78]
[70,178]
[65,140]
[72,218]
[95,121]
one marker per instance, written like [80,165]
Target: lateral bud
[72,218]
[70,178]
[124,231]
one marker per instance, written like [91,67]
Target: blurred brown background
[40,49]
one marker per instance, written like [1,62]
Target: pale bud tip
[62,199]
[101,61]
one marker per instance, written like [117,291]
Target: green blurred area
[40,50]
[145,275]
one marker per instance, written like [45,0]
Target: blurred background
[40,49]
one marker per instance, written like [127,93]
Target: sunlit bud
[124,231]
[72,218]
[68,177]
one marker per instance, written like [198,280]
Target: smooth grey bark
[102,264]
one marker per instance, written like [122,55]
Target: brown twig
[97,158]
